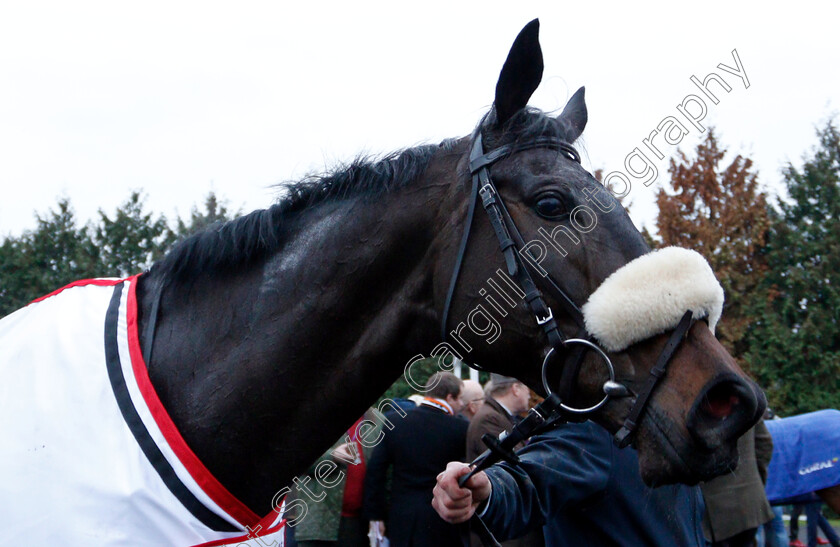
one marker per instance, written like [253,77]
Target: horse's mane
[232,244]
[227,245]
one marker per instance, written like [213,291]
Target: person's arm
[456,504]
[563,467]
[374,504]
[557,469]
[763,449]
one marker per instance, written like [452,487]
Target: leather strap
[511,243]
[502,223]
[625,435]
[151,323]
[550,285]
[453,282]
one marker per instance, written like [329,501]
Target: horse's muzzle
[727,408]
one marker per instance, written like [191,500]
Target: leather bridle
[567,350]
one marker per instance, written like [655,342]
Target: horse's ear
[574,116]
[521,73]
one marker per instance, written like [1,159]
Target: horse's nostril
[726,410]
[720,401]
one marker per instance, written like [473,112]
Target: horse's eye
[551,207]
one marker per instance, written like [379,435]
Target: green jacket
[323,517]
[737,501]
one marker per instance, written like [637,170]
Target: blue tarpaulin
[806,454]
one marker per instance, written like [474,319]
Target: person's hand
[453,503]
[377,527]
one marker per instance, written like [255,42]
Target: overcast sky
[180,98]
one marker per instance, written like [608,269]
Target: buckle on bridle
[543,320]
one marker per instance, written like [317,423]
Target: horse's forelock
[525,126]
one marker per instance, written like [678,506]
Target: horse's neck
[264,369]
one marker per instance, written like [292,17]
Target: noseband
[567,350]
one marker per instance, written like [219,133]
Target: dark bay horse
[272,333]
[278,329]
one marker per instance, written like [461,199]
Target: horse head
[594,279]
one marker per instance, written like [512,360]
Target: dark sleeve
[763,449]
[558,469]
[374,505]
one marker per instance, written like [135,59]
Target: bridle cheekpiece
[570,351]
[511,244]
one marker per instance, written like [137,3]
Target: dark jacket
[418,449]
[587,492]
[491,418]
[737,501]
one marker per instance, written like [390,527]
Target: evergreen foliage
[58,251]
[794,339]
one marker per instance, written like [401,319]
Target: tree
[132,240]
[722,214]
[57,252]
[794,342]
[16,279]
[214,211]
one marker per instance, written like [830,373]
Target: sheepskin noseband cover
[650,294]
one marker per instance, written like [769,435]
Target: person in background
[772,533]
[416,450]
[736,502]
[472,398]
[337,519]
[506,398]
